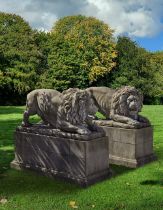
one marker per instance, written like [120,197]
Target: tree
[82,50]
[42,43]
[134,67]
[156,62]
[19,56]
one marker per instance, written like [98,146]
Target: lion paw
[25,124]
[84,131]
[135,123]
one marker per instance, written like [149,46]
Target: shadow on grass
[152,182]
[27,182]
[5,158]
[7,131]
[8,128]
[11,109]
[119,170]
[157,174]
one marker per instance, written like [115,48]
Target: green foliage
[100,116]
[136,68]
[78,52]
[156,62]
[81,50]
[42,43]
[19,55]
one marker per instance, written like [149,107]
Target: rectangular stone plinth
[83,162]
[130,147]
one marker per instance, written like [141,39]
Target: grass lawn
[130,189]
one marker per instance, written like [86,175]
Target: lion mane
[76,106]
[121,99]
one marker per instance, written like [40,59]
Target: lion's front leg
[68,127]
[92,125]
[126,120]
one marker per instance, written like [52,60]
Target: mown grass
[130,189]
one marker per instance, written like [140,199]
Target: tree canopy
[19,55]
[136,67]
[82,49]
[79,52]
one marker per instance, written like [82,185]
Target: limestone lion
[120,106]
[68,111]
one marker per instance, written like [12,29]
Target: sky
[142,20]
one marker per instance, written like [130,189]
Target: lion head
[76,107]
[127,101]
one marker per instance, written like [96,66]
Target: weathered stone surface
[83,162]
[130,147]
[50,131]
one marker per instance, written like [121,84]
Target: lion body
[67,111]
[102,97]
[40,102]
[120,105]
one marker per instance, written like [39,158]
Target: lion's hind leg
[28,112]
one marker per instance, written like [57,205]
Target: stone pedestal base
[81,161]
[130,147]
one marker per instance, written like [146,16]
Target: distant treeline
[78,52]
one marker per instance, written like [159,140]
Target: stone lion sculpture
[68,111]
[120,106]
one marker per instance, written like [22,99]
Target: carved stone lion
[68,111]
[120,106]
